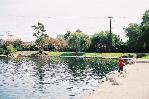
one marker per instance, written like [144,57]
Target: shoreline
[71,54]
[134,84]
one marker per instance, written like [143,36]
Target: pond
[51,78]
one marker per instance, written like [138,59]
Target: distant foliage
[100,42]
[10,49]
[78,41]
[1,50]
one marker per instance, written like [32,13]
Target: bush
[1,50]
[10,49]
[139,55]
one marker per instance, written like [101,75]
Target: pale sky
[59,16]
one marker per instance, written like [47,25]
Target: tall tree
[134,33]
[67,35]
[138,34]
[61,43]
[78,41]
[18,44]
[41,37]
[99,41]
[145,30]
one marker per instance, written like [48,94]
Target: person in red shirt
[121,64]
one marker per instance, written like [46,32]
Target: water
[51,78]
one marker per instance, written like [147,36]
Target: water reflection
[51,78]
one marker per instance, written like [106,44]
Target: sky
[59,16]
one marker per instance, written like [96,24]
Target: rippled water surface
[51,78]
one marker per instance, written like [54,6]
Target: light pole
[110,36]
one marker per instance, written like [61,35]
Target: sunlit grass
[82,54]
[116,54]
[92,54]
[88,54]
[112,54]
[55,53]
[145,57]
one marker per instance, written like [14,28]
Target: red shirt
[121,62]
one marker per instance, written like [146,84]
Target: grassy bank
[28,53]
[87,54]
[145,57]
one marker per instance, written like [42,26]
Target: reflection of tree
[81,67]
[101,67]
[40,63]
[53,61]
[16,61]
[77,66]
[5,59]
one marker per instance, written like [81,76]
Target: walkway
[134,85]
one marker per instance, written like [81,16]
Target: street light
[110,38]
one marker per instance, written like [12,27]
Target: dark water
[51,78]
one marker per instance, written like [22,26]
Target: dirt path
[134,85]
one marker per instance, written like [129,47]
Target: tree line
[138,37]
[78,41]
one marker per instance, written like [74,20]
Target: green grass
[65,54]
[92,54]
[73,54]
[145,57]
[80,54]
[116,54]
[55,53]
[87,54]
[112,54]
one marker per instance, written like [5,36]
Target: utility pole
[110,37]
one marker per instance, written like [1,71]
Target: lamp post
[110,36]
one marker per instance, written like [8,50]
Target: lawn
[145,57]
[80,54]
[88,54]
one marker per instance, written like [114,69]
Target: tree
[41,37]
[117,42]
[39,28]
[145,30]
[99,41]
[78,41]
[67,35]
[52,43]
[2,42]
[145,18]
[18,44]
[10,49]
[78,30]
[138,34]
[60,43]
[1,51]
[134,33]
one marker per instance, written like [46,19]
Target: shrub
[1,50]
[9,49]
